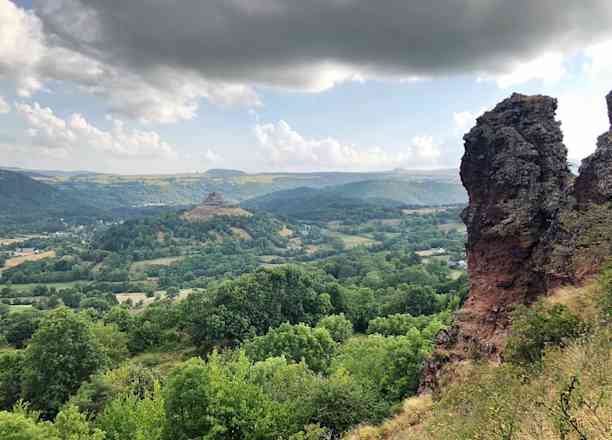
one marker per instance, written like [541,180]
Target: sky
[155,86]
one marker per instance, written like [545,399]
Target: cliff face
[531,227]
[516,174]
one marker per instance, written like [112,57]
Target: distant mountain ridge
[110,191]
[23,198]
[311,203]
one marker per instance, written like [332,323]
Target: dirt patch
[19,239]
[17,261]
[285,232]
[241,234]
[430,252]
[423,211]
[204,213]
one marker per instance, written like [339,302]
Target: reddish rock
[529,228]
[516,173]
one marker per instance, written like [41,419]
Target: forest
[256,327]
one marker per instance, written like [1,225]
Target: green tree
[19,425]
[113,342]
[18,327]
[535,328]
[296,342]
[339,328]
[11,366]
[216,400]
[130,417]
[413,299]
[389,365]
[63,354]
[187,396]
[341,403]
[240,308]
[93,395]
[70,424]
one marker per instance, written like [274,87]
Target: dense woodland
[255,327]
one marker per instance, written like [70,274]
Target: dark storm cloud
[309,43]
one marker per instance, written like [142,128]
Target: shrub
[538,327]
[389,365]
[339,328]
[296,342]
[605,299]
[11,365]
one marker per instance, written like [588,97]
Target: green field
[142,265]
[31,286]
[20,307]
[351,241]
[452,227]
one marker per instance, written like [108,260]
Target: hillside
[213,206]
[408,192]
[120,191]
[566,394]
[25,200]
[338,202]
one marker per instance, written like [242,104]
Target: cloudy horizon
[282,85]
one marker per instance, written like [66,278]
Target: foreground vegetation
[555,381]
[246,333]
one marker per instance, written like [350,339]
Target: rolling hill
[25,200]
[334,202]
[120,191]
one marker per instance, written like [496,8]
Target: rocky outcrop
[594,184]
[609,102]
[531,227]
[516,173]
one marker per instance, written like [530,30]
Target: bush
[62,354]
[129,416]
[339,328]
[397,324]
[536,328]
[296,342]
[11,365]
[605,299]
[217,400]
[389,365]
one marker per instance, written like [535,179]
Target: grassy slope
[494,402]
[24,197]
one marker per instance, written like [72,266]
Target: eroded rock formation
[531,227]
[516,173]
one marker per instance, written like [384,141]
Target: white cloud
[599,62]
[34,61]
[76,134]
[548,67]
[4,106]
[582,111]
[464,121]
[285,148]
[21,47]
[212,157]
[425,149]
